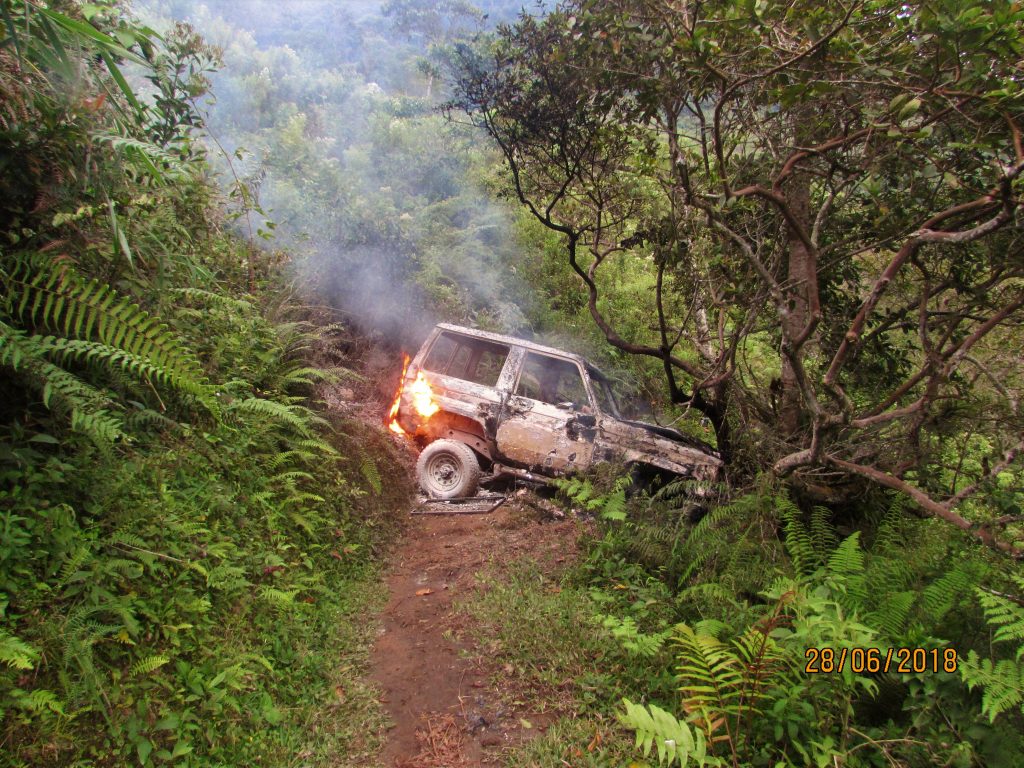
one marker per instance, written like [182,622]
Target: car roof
[513,341]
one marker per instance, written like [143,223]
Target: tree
[832,185]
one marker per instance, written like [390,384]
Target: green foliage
[608,506]
[740,658]
[627,632]
[182,551]
[1001,680]
[674,740]
[126,335]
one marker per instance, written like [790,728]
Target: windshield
[603,392]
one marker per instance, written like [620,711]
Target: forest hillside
[791,231]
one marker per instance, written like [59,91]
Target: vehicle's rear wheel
[447,469]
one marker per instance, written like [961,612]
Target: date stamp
[827,661]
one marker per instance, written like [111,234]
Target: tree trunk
[800,281]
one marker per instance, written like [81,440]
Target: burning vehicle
[477,401]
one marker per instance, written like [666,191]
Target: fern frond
[939,597]
[38,701]
[612,505]
[823,533]
[143,368]
[798,539]
[279,598]
[371,474]
[673,490]
[161,164]
[710,676]
[148,664]
[848,557]
[892,613]
[306,376]
[313,444]
[209,297]
[1004,613]
[290,477]
[284,458]
[52,296]
[16,653]
[656,728]
[1002,683]
[87,408]
[625,630]
[294,416]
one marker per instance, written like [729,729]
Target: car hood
[671,434]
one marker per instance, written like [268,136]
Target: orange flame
[392,422]
[423,397]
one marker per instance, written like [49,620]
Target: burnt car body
[525,409]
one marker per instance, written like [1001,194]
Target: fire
[393,413]
[422,399]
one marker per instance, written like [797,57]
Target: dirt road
[436,682]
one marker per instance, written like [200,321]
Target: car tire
[447,469]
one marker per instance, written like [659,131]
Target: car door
[547,421]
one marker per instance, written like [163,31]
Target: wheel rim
[444,472]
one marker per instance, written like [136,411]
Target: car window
[462,357]
[604,394]
[440,353]
[551,380]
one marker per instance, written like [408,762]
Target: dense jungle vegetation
[791,230]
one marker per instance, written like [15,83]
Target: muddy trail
[439,683]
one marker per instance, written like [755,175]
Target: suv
[474,399]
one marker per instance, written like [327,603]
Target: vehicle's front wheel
[447,469]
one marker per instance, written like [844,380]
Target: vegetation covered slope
[805,218]
[181,534]
[181,538]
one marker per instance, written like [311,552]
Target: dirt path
[435,683]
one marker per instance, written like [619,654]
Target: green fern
[822,532]
[575,489]
[1006,614]
[148,664]
[627,632]
[892,613]
[161,165]
[298,418]
[612,506]
[87,408]
[229,303]
[939,597]
[1002,681]
[305,376]
[317,445]
[371,474]
[52,296]
[710,674]
[680,487]
[725,684]
[38,701]
[848,558]
[283,600]
[799,543]
[16,653]
[657,729]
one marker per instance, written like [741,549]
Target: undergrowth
[186,544]
[716,619]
